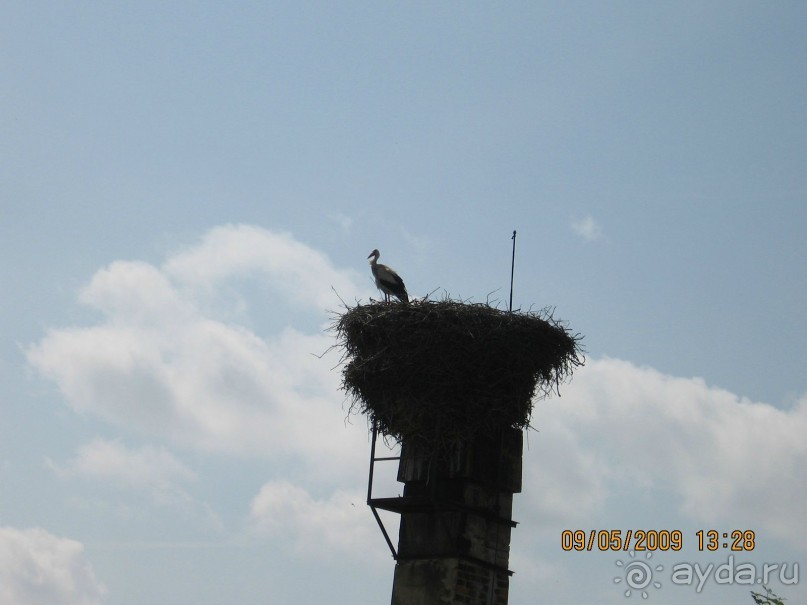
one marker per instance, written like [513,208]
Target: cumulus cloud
[722,458]
[153,470]
[299,273]
[343,221]
[38,568]
[341,523]
[588,229]
[164,363]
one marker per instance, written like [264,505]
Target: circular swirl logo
[638,575]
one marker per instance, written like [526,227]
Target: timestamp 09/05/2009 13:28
[737,540]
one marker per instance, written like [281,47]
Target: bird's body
[386,280]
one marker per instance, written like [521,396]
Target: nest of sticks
[435,374]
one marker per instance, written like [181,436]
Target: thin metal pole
[372,465]
[512,270]
[370,494]
[384,531]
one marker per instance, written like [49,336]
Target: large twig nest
[436,373]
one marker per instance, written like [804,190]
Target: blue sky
[184,185]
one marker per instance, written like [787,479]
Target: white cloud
[136,293]
[343,221]
[420,244]
[149,469]
[588,229]
[164,363]
[300,273]
[721,458]
[38,568]
[341,524]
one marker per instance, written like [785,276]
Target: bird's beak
[371,255]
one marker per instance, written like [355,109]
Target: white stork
[386,280]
